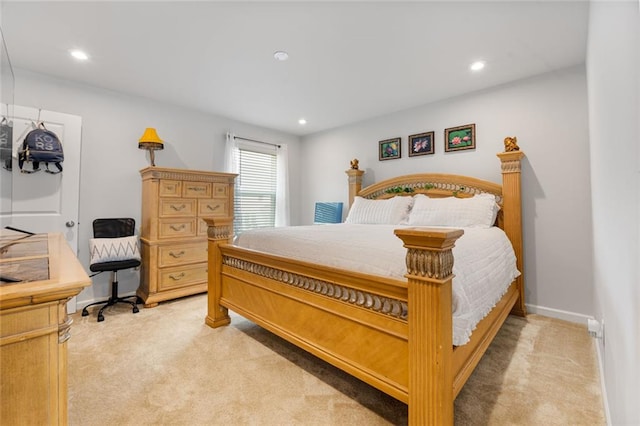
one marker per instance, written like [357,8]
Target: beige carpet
[164,366]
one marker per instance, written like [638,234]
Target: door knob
[70,224]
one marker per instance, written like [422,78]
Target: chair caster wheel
[100,318]
[85,313]
[135,310]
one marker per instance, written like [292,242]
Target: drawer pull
[64,330]
[197,188]
[216,207]
[64,337]
[176,255]
[177,277]
[177,228]
[178,208]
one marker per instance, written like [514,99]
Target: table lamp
[151,142]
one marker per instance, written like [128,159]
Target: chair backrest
[328,213]
[114,228]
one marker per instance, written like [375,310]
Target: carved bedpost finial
[511,144]
[355,180]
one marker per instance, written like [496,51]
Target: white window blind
[255,193]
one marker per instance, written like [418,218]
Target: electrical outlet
[595,328]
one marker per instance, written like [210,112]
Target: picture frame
[421,144]
[389,149]
[460,138]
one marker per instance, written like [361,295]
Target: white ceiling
[348,61]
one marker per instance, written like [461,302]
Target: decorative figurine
[354,164]
[511,144]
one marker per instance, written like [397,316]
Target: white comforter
[484,261]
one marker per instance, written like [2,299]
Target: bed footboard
[409,356]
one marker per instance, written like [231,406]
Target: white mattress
[484,261]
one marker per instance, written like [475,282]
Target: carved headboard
[444,185]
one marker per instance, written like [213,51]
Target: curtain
[282,186]
[231,154]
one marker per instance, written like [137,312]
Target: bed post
[219,231]
[429,274]
[512,216]
[355,180]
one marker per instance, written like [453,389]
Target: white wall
[112,123]
[613,66]
[548,114]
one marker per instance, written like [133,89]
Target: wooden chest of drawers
[35,327]
[174,236]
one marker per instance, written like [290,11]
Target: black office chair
[106,255]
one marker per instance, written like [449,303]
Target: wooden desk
[34,328]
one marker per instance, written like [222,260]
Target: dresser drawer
[180,254]
[170,188]
[172,228]
[220,189]
[181,276]
[197,189]
[213,208]
[177,207]
[22,320]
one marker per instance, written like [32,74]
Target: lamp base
[151,147]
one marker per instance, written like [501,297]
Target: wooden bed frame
[393,334]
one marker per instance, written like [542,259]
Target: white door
[44,202]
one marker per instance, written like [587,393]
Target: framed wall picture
[421,144]
[389,149]
[460,138]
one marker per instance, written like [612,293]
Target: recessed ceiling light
[477,66]
[281,55]
[302,121]
[79,55]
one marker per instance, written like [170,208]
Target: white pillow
[112,249]
[479,211]
[391,211]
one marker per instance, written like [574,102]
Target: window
[262,184]
[255,192]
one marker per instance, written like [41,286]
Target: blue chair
[328,213]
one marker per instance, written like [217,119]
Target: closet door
[45,202]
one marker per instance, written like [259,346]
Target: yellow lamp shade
[150,140]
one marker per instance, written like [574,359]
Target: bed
[394,334]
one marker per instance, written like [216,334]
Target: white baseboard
[605,400]
[558,314]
